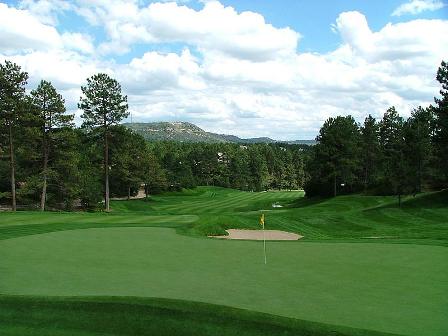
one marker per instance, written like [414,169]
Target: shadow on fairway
[29,316]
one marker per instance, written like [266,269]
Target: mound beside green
[32,316]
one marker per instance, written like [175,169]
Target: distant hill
[188,132]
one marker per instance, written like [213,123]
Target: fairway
[156,249]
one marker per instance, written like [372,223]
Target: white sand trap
[258,235]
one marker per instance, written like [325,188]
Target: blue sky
[306,15]
[245,67]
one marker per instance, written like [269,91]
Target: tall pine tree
[104,106]
[12,93]
[369,151]
[441,122]
[418,149]
[392,149]
[50,109]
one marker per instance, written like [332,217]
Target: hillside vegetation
[188,132]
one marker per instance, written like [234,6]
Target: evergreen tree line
[391,156]
[47,162]
[251,167]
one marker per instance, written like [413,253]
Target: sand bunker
[258,235]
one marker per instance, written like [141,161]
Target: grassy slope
[134,316]
[208,211]
[411,284]
[423,219]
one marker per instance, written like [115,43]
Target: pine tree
[392,150]
[441,122]
[12,93]
[338,153]
[104,106]
[418,149]
[369,150]
[50,109]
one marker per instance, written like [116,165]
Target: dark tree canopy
[103,103]
[441,121]
[12,94]
[336,157]
[49,109]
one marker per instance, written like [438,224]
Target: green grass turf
[397,288]
[136,316]
[385,287]
[207,211]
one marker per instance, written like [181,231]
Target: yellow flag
[262,220]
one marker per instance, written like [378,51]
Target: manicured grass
[385,287]
[208,211]
[422,219]
[158,247]
[134,316]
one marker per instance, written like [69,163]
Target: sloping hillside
[188,132]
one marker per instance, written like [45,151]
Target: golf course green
[364,267]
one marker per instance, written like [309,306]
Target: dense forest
[391,156]
[48,163]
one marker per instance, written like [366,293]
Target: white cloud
[78,41]
[408,40]
[46,11]
[235,73]
[66,69]
[413,7]
[157,71]
[20,30]
[215,27]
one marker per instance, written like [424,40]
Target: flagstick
[264,245]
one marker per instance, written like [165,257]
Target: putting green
[385,287]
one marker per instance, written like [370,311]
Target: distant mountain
[188,132]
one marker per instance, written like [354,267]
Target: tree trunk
[419,175]
[13,169]
[335,192]
[366,177]
[43,197]
[106,172]
[129,192]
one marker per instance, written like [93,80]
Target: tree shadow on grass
[434,200]
[304,202]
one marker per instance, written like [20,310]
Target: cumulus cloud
[234,72]
[156,71]
[46,11]
[23,31]
[413,39]
[214,27]
[413,7]
[78,41]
